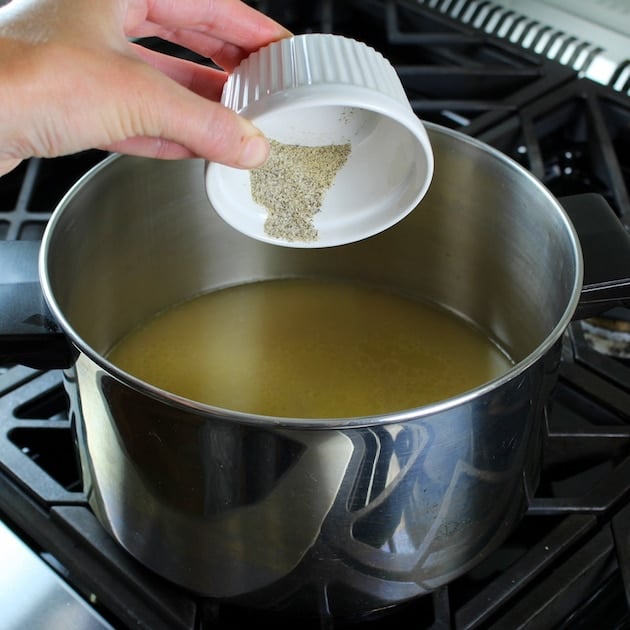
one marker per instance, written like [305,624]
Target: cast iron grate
[29,194]
[575,140]
[456,77]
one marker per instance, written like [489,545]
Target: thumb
[162,119]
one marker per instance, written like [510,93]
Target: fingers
[207,82]
[160,118]
[150,147]
[121,103]
[252,155]
[225,55]
[81,88]
[225,30]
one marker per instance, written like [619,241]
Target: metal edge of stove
[591,36]
[32,595]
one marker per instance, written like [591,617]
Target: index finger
[226,30]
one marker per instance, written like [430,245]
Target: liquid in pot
[310,349]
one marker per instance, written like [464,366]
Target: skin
[71,79]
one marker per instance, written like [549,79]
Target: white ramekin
[320,89]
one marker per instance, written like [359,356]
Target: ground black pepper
[291,185]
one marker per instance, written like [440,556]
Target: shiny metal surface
[33,596]
[590,36]
[347,515]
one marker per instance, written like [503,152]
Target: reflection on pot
[358,518]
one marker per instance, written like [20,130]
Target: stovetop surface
[590,36]
[568,564]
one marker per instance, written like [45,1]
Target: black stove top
[568,564]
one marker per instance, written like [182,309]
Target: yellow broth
[310,349]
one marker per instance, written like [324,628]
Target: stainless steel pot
[338,516]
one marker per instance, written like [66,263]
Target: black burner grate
[29,194]
[575,139]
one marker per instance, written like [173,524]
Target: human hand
[71,79]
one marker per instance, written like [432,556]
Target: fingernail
[254,153]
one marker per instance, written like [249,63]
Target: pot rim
[423,411]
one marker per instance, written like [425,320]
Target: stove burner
[567,171]
[575,139]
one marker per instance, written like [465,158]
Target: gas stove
[568,563]
[590,36]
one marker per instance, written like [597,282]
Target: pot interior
[136,236]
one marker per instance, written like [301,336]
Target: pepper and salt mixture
[292,184]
